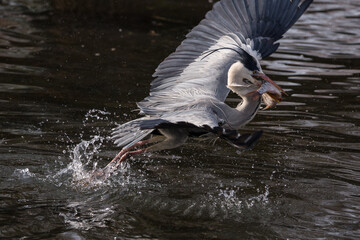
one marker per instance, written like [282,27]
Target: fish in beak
[269,90]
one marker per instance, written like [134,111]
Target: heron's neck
[243,113]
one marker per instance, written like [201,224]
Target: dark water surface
[66,80]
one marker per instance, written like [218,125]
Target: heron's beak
[269,90]
[267,79]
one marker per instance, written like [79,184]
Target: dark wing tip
[247,141]
[243,141]
[253,139]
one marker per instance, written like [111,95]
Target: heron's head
[246,79]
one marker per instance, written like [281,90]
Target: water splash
[23,173]
[84,160]
[85,155]
[230,202]
[262,198]
[82,157]
[96,115]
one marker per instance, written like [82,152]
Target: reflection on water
[66,81]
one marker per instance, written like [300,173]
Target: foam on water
[23,173]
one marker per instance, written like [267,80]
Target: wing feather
[201,62]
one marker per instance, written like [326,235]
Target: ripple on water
[330,22]
[138,188]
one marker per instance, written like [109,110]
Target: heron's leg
[128,154]
[173,139]
[119,157]
[170,141]
[125,150]
[105,172]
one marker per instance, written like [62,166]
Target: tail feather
[129,133]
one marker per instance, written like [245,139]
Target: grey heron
[221,54]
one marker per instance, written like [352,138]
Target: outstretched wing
[233,29]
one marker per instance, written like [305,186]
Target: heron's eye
[247,81]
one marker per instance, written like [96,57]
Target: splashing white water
[82,157]
[23,173]
[96,115]
[83,160]
[262,198]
